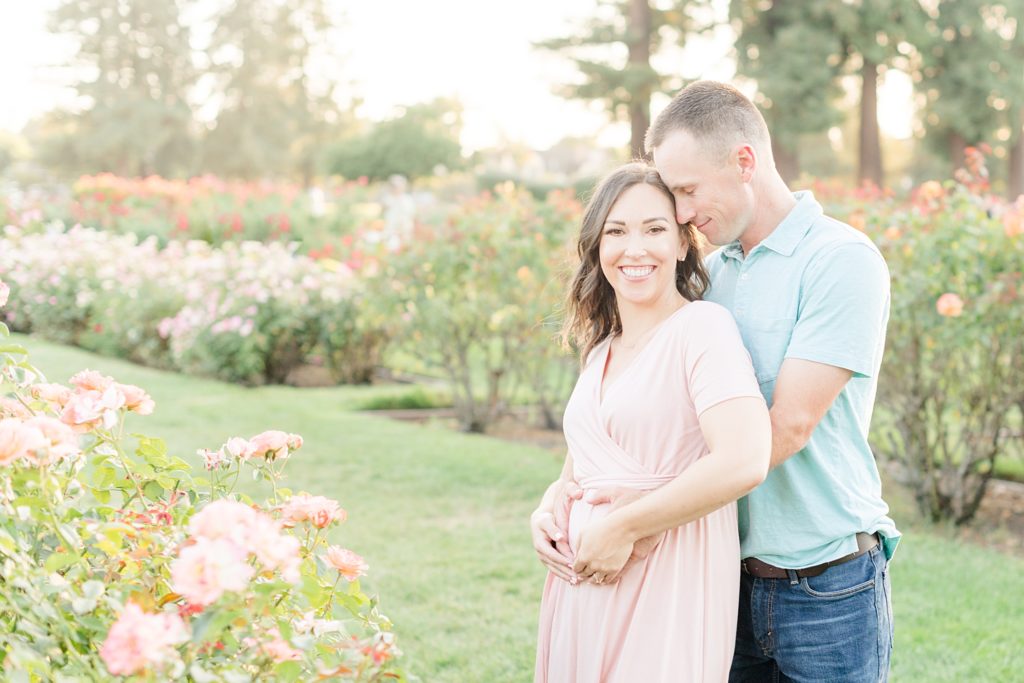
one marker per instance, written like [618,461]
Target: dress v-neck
[602,391]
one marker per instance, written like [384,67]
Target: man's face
[714,195]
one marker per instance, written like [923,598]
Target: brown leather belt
[762,570]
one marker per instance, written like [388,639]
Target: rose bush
[118,561]
[476,297]
[216,211]
[246,312]
[951,387]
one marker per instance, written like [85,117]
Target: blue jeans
[832,628]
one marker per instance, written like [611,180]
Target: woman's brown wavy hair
[591,311]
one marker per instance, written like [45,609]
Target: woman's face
[640,246]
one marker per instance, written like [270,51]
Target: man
[811,298]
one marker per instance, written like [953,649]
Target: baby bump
[581,515]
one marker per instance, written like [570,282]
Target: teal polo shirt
[815,289]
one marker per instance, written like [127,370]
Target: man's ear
[746,161]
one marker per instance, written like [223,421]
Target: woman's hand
[549,529]
[602,551]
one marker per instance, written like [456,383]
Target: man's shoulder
[829,234]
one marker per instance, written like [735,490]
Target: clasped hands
[603,550]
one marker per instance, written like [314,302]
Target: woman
[666,404]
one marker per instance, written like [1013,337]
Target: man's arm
[804,391]
[738,439]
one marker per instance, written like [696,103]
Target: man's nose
[684,212]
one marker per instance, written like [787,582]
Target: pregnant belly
[581,515]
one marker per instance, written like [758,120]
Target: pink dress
[672,616]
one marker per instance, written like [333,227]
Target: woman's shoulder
[700,324]
[704,313]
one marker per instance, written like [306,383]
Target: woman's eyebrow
[646,220]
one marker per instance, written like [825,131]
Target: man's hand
[617,497]
[602,553]
[549,529]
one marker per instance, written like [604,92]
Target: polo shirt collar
[784,239]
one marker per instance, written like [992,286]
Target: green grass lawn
[442,519]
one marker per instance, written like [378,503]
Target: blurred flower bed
[212,210]
[244,312]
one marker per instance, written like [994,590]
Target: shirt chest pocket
[767,340]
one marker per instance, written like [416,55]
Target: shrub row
[249,313]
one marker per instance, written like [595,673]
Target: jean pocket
[842,581]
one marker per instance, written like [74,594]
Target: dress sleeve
[718,366]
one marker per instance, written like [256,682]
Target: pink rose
[348,564]
[90,409]
[950,305]
[206,570]
[276,551]
[5,292]
[19,440]
[60,440]
[212,459]
[138,640]
[224,519]
[278,649]
[317,510]
[240,448]
[90,380]
[12,407]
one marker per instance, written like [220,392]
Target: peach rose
[317,510]
[56,395]
[136,399]
[949,305]
[348,564]
[274,444]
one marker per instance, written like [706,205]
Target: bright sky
[401,52]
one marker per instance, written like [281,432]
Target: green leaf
[14,348]
[58,561]
[210,623]
[153,490]
[288,671]
[104,475]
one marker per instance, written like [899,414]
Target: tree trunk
[1015,177]
[957,144]
[787,161]
[639,37]
[870,158]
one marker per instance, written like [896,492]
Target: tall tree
[622,77]
[788,49]
[273,117]
[970,74]
[414,144]
[874,35]
[137,64]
